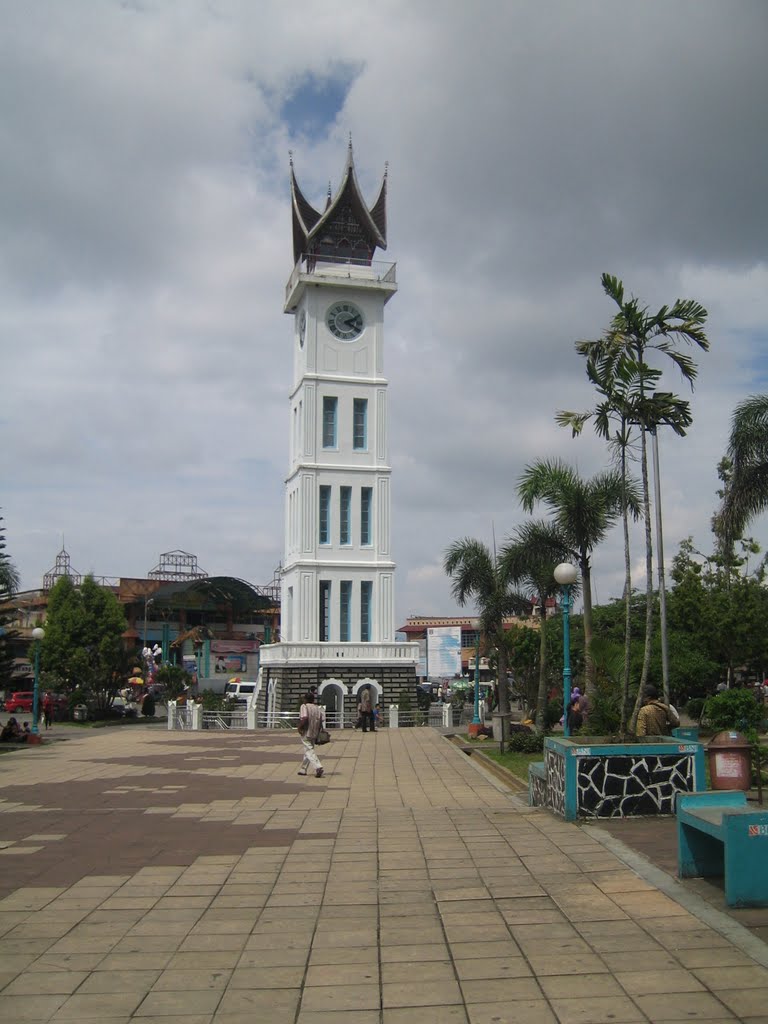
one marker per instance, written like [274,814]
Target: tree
[478,575]
[746,493]
[633,333]
[9,584]
[583,511]
[83,645]
[529,561]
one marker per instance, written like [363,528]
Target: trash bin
[730,761]
[80,713]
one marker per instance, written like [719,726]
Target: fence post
[171,715]
[250,717]
[447,715]
[196,714]
[394,716]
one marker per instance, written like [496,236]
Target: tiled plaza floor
[159,877]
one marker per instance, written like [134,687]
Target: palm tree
[478,575]
[628,397]
[583,511]
[9,575]
[529,560]
[633,333]
[746,493]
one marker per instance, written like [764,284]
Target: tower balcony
[351,272]
[317,653]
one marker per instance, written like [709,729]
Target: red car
[20,702]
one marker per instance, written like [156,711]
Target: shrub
[733,709]
[604,717]
[553,714]
[526,743]
[695,707]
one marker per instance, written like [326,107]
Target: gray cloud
[145,245]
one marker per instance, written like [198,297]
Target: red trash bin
[730,761]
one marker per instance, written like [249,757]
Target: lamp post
[565,575]
[37,635]
[476,716]
[147,602]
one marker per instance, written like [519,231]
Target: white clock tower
[337,592]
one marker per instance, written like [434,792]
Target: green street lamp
[38,634]
[566,574]
[476,716]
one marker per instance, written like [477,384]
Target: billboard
[443,653]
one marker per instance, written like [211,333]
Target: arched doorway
[330,695]
[376,691]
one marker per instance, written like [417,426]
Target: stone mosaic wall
[617,787]
[292,682]
[555,763]
[537,791]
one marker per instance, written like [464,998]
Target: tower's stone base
[338,685]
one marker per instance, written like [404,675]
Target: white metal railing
[225,720]
[318,267]
[319,653]
[180,716]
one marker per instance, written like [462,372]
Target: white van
[243,691]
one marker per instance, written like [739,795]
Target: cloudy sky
[145,243]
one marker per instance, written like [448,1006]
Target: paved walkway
[160,877]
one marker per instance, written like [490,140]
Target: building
[420,628]
[212,625]
[337,586]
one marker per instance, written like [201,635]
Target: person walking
[310,724]
[365,712]
[48,711]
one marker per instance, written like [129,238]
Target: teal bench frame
[718,834]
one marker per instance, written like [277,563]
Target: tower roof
[347,228]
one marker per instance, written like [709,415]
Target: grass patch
[513,762]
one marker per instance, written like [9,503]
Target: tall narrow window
[325,610]
[330,414]
[345,610]
[360,424]
[366,591]
[366,500]
[325,514]
[345,515]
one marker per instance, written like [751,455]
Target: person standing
[310,724]
[655,718]
[365,712]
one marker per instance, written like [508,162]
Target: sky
[145,242]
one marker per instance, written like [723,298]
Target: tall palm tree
[632,335]
[627,398]
[478,575]
[746,493]
[529,560]
[583,511]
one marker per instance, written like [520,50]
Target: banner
[443,651]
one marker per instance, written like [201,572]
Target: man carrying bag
[310,724]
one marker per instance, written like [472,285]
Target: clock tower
[337,586]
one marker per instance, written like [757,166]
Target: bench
[537,783]
[718,834]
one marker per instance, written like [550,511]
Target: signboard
[444,651]
[728,766]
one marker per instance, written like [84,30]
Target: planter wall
[590,778]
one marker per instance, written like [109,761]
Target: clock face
[345,321]
[302,326]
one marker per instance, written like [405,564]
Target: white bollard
[171,715]
[196,714]
[250,718]
[447,716]
[394,716]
